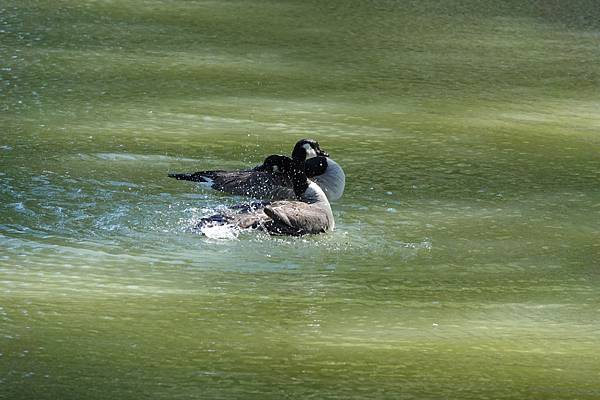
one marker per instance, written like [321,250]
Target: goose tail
[202,176]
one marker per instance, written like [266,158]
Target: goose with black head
[262,182]
[310,213]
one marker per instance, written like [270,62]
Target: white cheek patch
[310,152]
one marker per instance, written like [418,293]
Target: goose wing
[252,183]
[296,218]
[244,216]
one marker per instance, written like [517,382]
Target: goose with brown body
[310,213]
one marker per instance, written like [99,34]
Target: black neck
[299,153]
[299,179]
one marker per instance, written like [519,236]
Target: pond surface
[465,258]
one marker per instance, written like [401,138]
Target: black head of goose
[310,213]
[263,183]
[305,149]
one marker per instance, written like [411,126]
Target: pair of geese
[295,191]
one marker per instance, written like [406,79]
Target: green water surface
[464,264]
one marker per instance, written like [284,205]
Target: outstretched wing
[257,184]
[252,183]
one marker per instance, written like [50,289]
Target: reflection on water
[463,264]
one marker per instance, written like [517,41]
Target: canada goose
[262,182]
[310,213]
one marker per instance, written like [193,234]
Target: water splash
[220,232]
